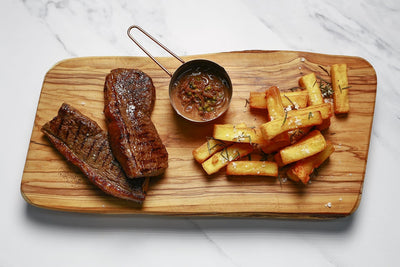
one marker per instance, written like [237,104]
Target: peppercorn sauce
[200,94]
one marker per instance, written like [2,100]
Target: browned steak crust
[82,142]
[129,97]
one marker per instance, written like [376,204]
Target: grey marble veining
[38,34]
[360,28]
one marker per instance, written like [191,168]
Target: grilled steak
[129,97]
[82,142]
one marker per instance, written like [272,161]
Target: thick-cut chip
[222,158]
[315,98]
[325,109]
[340,88]
[207,149]
[273,146]
[326,123]
[273,128]
[257,100]
[311,84]
[302,169]
[297,134]
[294,100]
[258,168]
[228,132]
[310,145]
[274,103]
[284,139]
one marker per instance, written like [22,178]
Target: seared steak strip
[129,97]
[82,142]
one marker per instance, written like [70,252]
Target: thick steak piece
[83,143]
[129,97]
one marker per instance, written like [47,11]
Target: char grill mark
[129,99]
[82,142]
[76,134]
[90,150]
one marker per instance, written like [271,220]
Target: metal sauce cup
[187,67]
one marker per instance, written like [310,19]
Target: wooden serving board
[51,182]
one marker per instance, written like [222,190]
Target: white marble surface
[37,34]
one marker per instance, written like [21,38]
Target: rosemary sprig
[325,70]
[264,156]
[291,102]
[344,88]
[247,103]
[325,87]
[236,156]
[322,79]
[314,83]
[296,133]
[211,147]
[242,137]
[284,118]
[295,88]
[225,155]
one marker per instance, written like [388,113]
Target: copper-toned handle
[157,42]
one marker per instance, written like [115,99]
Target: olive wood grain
[51,182]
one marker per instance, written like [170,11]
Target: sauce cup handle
[157,42]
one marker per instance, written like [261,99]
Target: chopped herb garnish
[310,115]
[264,156]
